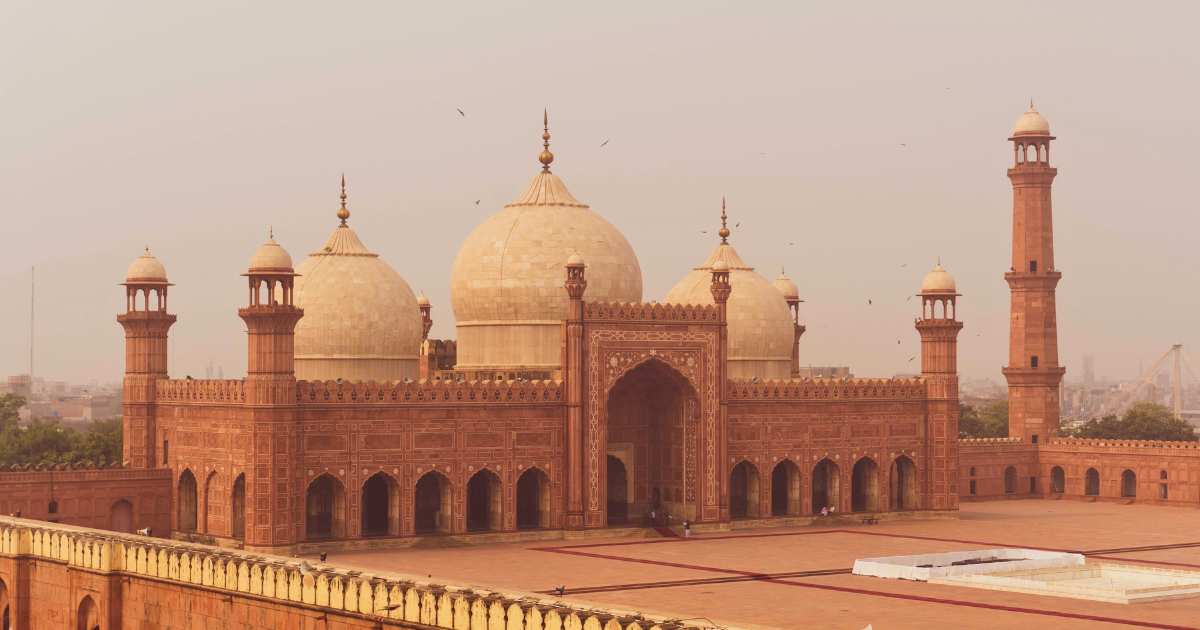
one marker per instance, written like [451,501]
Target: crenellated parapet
[211,391]
[650,312]
[828,389]
[433,392]
[1094,443]
[990,441]
[389,599]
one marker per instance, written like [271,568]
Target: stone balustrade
[193,390]
[289,581]
[989,441]
[827,389]
[650,312]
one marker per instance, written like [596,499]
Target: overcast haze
[873,136]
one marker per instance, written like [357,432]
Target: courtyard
[799,577]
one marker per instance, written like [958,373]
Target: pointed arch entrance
[618,491]
[652,417]
[485,500]
[903,487]
[186,513]
[533,500]
[380,506]
[826,486]
[1091,483]
[1058,480]
[785,489]
[88,615]
[325,509]
[432,504]
[743,491]
[237,508]
[864,486]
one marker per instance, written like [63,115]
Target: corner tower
[1033,372]
[939,328]
[146,322]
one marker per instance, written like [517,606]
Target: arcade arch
[785,489]
[485,502]
[826,486]
[743,491]
[186,515]
[380,506]
[533,499]
[904,495]
[325,508]
[864,486]
[432,504]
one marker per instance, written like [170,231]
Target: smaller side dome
[1031,123]
[270,258]
[422,300]
[785,285]
[938,281]
[146,269]
[720,265]
[575,260]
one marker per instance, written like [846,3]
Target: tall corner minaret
[146,322]
[1033,371]
[939,326]
[271,318]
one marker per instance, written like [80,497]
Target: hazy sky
[192,126]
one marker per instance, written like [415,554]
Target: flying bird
[897,342]
[390,607]
[791,242]
[904,265]
[461,112]
[738,224]
[603,143]
[909,299]
[869,302]
[477,201]
[905,146]
[910,359]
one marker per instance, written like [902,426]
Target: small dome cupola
[1031,123]
[146,269]
[939,293]
[270,273]
[785,285]
[270,257]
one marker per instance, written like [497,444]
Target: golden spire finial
[724,231]
[342,212]
[546,156]
[147,250]
[1031,108]
[270,232]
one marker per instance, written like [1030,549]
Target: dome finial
[724,231]
[546,157]
[270,232]
[1031,107]
[342,212]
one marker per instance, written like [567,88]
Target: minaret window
[1033,361]
[1033,266]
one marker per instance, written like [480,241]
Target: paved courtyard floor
[799,577]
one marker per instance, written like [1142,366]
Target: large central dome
[507,283]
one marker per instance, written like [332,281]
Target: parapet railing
[993,442]
[445,391]
[291,581]
[650,311]
[1102,442]
[192,390]
[827,389]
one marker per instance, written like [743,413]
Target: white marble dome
[761,329]
[507,281]
[361,321]
[1031,123]
[146,269]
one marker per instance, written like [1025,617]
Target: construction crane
[1143,388]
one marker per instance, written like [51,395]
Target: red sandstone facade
[643,419]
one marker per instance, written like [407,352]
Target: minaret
[271,315]
[939,327]
[146,322]
[1033,371]
[791,295]
[721,289]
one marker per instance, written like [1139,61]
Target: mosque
[566,402]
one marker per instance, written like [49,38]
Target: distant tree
[48,442]
[10,405]
[1143,421]
[989,420]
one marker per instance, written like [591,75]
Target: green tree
[989,420]
[1143,421]
[10,404]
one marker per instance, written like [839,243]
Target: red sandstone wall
[88,497]
[983,463]
[1180,461]
[879,420]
